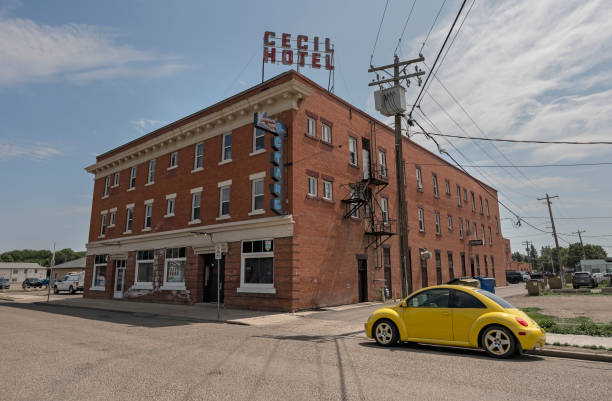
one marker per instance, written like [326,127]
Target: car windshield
[581,274]
[500,301]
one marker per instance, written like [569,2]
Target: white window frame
[106,186]
[103,224]
[448,186]
[384,207]
[129,218]
[148,215]
[382,159]
[95,287]
[252,287]
[259,133]
[475,233]
[419,178]
[421,213]
[224,147]
[450,223]
[437,221]
[116,180]
[311,127]
[145,285]
[151,174]
[174,286]
[170,205]
[222,189]
[473,202]
[312,186]
[490,237]
[496,225]
[353,161]
[326,133]
[480,202]
[328,191]
[483,235]
[112,218]
[355,211]
[198,159]
[460,228]
[487,207]
[132,183]
[435,186]
[173,160]
[458,195]
[196,193]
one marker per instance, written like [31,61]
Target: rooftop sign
[299,51]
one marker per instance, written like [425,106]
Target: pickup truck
[71,282]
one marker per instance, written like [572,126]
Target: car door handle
[445,313]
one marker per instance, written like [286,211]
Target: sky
[78,78]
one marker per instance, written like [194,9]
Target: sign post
[218,256]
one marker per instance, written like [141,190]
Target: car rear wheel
[71,290]
[385,333]
[55,290]
[498,342]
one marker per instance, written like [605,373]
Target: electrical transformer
[390,101]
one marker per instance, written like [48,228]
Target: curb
[572,354]
[148,314]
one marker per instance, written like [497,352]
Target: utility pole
[579,232]
[552,222]
[402,209]
[526,243]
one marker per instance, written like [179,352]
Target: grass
[595,347]
[576,325]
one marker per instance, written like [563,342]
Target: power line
[570,218]
[437,57]
[399,41]
[522,165]
[518,140]
[432,26]
[378,34]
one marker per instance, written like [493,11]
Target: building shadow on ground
[127,318]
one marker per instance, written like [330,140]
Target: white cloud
[36,151]
[147,125]
[32,52]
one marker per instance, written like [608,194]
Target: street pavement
[57,352]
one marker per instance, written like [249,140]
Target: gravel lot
[596,307]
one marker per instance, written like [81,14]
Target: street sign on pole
[218,250]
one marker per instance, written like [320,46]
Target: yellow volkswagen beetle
[459,316]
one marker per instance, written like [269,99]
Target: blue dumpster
[487,284]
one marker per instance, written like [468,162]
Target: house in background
[17,272]
[74,266]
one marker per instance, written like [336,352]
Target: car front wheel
[55,290]
[498,342]
[385,333]
[71,290]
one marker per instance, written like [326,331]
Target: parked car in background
[513,276]
[536,276]
[71,282]
[5,283]
[31,282]
[583,279]
[598,277]
[45,282]
[525,276]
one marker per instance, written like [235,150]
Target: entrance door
[210,278]
[119,282]
[362,279]
[472,266]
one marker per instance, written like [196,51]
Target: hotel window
[99,272]
[116,179]
[451,268]
[148,213]
[482,234]
[195,206]
[450,223]
[174,269]
[133,177]
[224,201]
[327,190]
[259,136]
[464,195]
[103,225]
[198,159]
[173,159]
[257,266]
[384,207]
[106,185]
[490,237]
[352,151]
[111,219]
[151,176]
[480,202]
[496,225]
[419,180]
[355,210]
[475,231]
[458,195]
[437,220]
[487,206]
[170,204]
[227,148]
[473,202]
[145,262]
[435,185]
[447,184]
[311,127]
[421,220]
[382,158]
[129,218]
[258,195]
[326,133]
[312,186]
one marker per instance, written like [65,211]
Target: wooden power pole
[552,222]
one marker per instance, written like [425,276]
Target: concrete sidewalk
[579,340]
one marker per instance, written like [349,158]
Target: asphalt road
[78,354]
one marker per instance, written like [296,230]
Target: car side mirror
[403,304]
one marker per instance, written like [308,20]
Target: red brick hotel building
[163,201]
